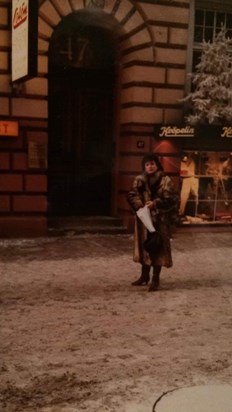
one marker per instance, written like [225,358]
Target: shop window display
[206,187]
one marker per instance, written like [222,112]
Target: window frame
[208,5]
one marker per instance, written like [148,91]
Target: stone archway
[137,39]
[136,45]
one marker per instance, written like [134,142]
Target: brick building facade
[152,46]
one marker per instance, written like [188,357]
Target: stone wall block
[145,55]
[43,46]
[29,108]
[4,106]
[63,7]
[168,95]
[42,64]
[136,94]
[160,34]
[166,14]
[44,29]
[29,203]
[4,205]
[5,38]
[143,73]
[11,183]
[130,163]
[138,114]
[4,161]
[178,36]
[124,8]
[4,61]
[176,76]
[5,81]
[47,10]
[3,16]
[19,161]
[37,86]
[77,4]
[135,21]
[137,129]
[36,183]
[141,37]
[23,226]
[174,56]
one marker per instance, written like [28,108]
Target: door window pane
[199,17]
[198,34]
[220,20]
[208,34]
[209,18]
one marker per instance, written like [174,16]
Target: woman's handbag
[153,243]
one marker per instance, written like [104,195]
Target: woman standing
[156,190]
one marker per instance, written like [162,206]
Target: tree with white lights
[211,100]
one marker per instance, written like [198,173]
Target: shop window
[206,187]
[199,161]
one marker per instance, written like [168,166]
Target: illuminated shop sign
[176,131]
[226,132]
[9,128]
[24,39]
[173,131]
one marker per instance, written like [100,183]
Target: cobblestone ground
[76,336]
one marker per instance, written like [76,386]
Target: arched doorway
[82,78]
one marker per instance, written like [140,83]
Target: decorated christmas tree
[211,100]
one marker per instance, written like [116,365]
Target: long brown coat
[160,189]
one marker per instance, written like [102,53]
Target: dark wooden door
[80,142]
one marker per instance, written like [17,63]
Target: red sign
[20,15]
[24,39]
[8,128]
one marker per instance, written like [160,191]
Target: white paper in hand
[144,215]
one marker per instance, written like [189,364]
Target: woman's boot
[144,278]
[155,279]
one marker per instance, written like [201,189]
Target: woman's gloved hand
[150,204]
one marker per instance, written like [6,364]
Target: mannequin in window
[226,172]
[190,183]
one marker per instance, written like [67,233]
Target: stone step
[73,225]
